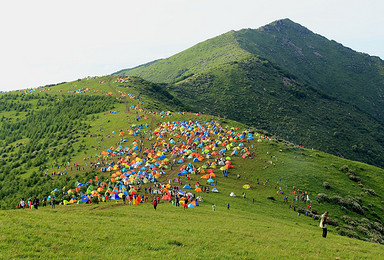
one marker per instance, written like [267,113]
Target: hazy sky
[44,42]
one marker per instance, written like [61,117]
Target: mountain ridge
[335,71]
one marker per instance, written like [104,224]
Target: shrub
[370,191]
[326,185]
[344,168]
[323,197]
[271,198]
[348,233]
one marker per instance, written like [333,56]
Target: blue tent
[114,196]
[210,180]
[187,186]
[214,190]
[84,199]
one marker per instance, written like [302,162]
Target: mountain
[90,138]
[281,78]
[327,65]
[254,90]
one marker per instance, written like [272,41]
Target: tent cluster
[80,91]
[193,147]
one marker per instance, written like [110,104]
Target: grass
[266,229]
[125,232]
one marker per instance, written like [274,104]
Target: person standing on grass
[324,223]
[154,203]
[53,202]
[36,203]
[228,206]
[213,207]
[22,203]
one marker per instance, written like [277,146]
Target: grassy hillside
[350,191]
[254,90]
[42,131]
[205,55]
[327,77]
[337,70]
[125,232]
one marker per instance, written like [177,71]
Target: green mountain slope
[337,70]
[47,146]
[327,65]
[347,83]
[200,57]
[254,90]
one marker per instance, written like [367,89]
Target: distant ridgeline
[287,80]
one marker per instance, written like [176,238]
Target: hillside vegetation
[126,114]
[254,90]
[327,76]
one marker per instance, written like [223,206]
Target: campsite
[265,191]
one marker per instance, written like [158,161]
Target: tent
[232,194]
[194,203]
[247,186]
[214,190]
[114,197]
[210,181]
[187,186]
[166,197]
[198,190]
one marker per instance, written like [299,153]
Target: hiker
[124,198]
[154,202]
[53,201]
[36,202]
[44,202]
[186,204]
[22,203]
[228,206]
[213,207]
[324,223]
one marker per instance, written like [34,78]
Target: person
[36,203]
[228,206]
[213,207]
[44,202]
[154,203]
[53,201]
[124,198]
[22,203]
[324,223]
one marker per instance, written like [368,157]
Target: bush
[348,233]
[344,168]
[323,197]
[370,191]
[326,185]
[271,198]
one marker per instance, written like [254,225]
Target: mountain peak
[284,25]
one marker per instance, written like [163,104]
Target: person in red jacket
[154,202]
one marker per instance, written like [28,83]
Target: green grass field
[264,229]
[112,230]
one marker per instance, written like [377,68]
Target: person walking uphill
[324,223]
[154,202]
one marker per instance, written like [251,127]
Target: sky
[47,42]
